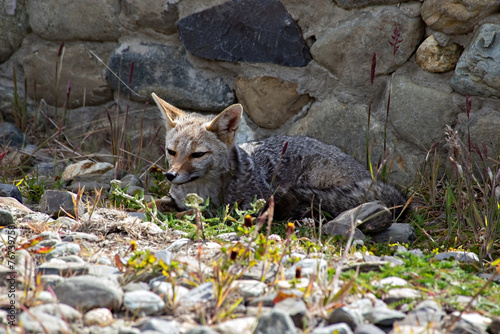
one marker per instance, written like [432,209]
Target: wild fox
[203,159]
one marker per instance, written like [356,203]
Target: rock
[164,290]
[478,69]
[76,236]
[45,297]
[270,102]
[368,329]
[239,325]
[166,71]
[296,309]
[85,167]
[342,229]
[494,327]
[399,294]
[309,267]
[202,293]
[14,206]
[80,71]
[86,292]
[259,31]
[63,249]
[456,17]
[49,280]
[143,302]
[63,268]
[364,3]
[9,190]
[418,107]
[275,322]
[465,326]
[376,26]
[158,15]
[13,27]
[160,326]
[399,232]
[201,330]
[68,224]
[59,203]
[101,317]
[381,217]
[11,136]
[435,58]
[350,316]
[178,244]
[483,127]
[6,218]
[92,21]
[61,311]
[43,323]
[165,255]
[131,180]
[467,257]
[384,316]
[340,328]
[389,282]
[249,288]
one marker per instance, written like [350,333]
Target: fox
[297,171]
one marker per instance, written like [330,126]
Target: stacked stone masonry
[299,67]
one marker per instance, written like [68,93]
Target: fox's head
[198,147]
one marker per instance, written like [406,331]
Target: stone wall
[299,67]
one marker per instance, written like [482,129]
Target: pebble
[309,267]
[6,218]
[340,328]
[296,309]
[352,317]
[143,302]
[384,316]
[64,249]
[201,293]
[368,329]
[59,310]
[201,330]
[390,282]
[43,323]
[467,257]
[398,294]
[156,325]
[275,322]
[250,288]
[165,290]
[101,317]
[87,292]
[239,325]
[178,244]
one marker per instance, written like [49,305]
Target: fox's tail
[336,200]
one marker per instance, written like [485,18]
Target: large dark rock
[11,136]
[165,70]
[10,190]
[256,31]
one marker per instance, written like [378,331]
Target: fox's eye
[172,153]
[198,154]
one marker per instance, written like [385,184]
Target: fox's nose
[171,175]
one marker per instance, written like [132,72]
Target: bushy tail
[336,200]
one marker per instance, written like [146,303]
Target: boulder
[160,15]
[13,27]
[435,58]
[259,31]
[478,70]
[270,102]
[79,72]
[347,48]
[166,71]
[66,20]
[456,17]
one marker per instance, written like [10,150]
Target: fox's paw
[167,204]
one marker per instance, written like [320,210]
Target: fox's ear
[169,112]
[227,123]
